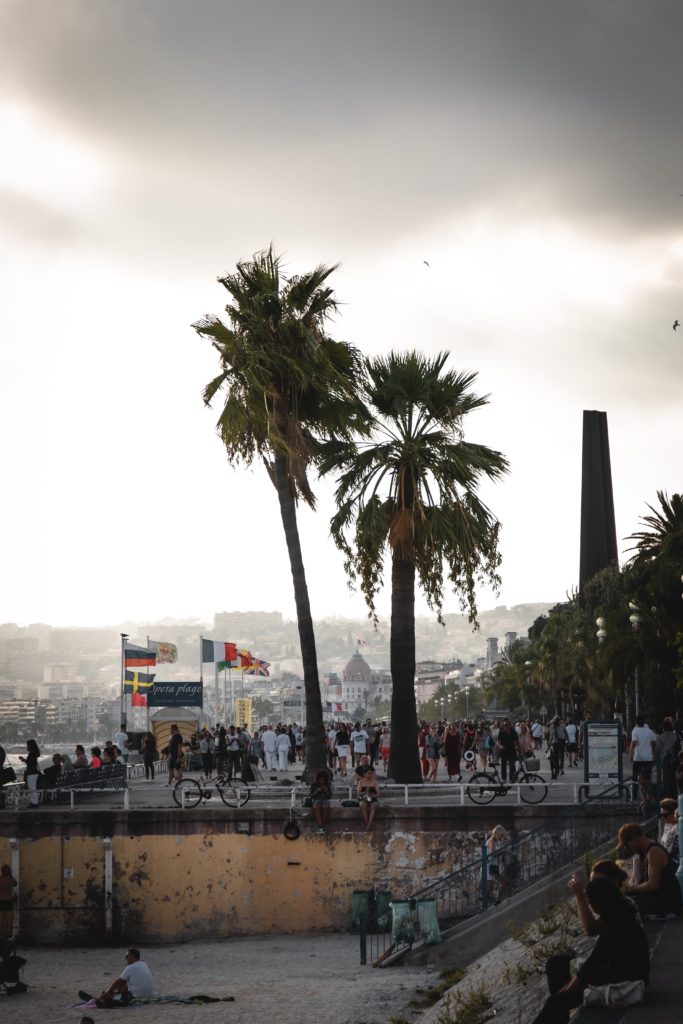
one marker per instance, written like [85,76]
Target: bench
[84,780]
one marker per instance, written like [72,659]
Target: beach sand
[287,979]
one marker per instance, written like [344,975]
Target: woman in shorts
[321,794]
[342,745]
[385,748]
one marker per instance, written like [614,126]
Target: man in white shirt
[283,746]
[537,733]
[134,982]
[269,740]
[643,745]
[359,739]
[121,741]
[572,731]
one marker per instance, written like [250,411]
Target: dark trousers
[558,1005]
[505,760]
[234,762]
[149,769]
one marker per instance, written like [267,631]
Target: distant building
[492,655]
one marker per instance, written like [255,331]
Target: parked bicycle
[484,787]
[233,792]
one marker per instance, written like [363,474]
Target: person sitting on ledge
[321,794]
[620,954]
[654,888]
[367,788]
[134,982]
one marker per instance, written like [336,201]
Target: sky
[529,151]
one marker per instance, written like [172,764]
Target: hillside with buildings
[66,681]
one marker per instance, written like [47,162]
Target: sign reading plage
[175,695]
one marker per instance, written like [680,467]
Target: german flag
[138,657]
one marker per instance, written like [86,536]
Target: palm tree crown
[288,382]
[412,485]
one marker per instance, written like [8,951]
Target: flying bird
[425,263]
[677,323]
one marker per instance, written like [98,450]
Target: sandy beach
[284,979]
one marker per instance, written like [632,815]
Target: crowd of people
[447,750]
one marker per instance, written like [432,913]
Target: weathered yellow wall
[171,888]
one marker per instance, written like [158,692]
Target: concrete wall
[170,888]
[179,876]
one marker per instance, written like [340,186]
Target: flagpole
[124,637]
[201,675]
[225,694]
[215,679]
[147,695]
[232,697]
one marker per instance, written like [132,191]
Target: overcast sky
[529,150]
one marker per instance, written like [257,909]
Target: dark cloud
[392,110]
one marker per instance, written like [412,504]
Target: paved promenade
[274,789]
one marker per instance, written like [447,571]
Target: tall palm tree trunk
[315,738]
[404,761]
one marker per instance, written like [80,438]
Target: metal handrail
[464,892]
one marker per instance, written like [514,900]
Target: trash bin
[402,930]
[360,906]
[428,921]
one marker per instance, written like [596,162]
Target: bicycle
[233,792]
[484,787]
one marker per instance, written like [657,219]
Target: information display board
[602,753]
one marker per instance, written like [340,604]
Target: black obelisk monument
[598,530]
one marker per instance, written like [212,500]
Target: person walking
[343,746]
[175,751]
[508,749]
[283,745]
[452,749]
[556,747]
[642,749]
[432,751]
[150,754]
[270,748]
[32,770]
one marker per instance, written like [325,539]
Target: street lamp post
[467,703]
[527,666]
[636,619]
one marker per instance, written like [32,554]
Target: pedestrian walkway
[664,998]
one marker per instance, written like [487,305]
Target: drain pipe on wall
[14,848]
[108,876]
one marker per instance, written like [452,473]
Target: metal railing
[522,861]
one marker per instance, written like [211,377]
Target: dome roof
[357,670]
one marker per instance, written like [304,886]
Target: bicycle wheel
[481,788]
[533,789]
[192,792]
[235,793]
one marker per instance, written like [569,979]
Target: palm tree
[286,385]
[412,488]
[664,536]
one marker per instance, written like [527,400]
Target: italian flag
[212,650]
